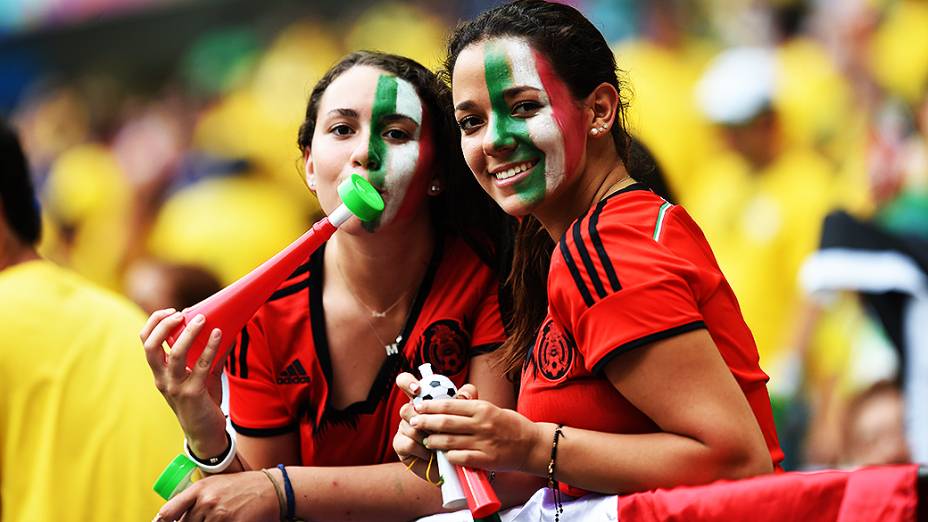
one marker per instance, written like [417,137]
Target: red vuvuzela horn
[231,308]
[481,499]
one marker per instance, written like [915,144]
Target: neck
[381,267]
[602,174]
[14,252]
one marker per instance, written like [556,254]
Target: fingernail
[414,387]
[199,319]
[425,442]
[216,333]
[157,518]
[170,311]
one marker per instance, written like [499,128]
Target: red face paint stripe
[415,194]
[568,116]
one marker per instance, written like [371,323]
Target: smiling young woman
[637,369]
[311,374]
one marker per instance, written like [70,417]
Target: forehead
[356,89]
[510,61]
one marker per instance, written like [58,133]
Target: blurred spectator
[663,65]
[227,224]
[760,202]
[874,428]
[84,433]
[157,285]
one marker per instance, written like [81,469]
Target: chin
[515,206]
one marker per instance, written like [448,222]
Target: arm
[681,383]
[493,386]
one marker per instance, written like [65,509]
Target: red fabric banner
[885,493]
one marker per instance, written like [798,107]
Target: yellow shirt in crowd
[83,431]
[762,225]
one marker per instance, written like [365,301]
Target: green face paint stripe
[498,77]
[384,104]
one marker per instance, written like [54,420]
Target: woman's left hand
[481,435]
[244,496]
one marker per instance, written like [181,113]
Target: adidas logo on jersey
[293,374]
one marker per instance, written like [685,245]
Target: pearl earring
[434,188]
[594,131]
[312,183]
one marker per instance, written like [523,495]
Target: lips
[514,172]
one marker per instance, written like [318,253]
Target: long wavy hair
[582,58]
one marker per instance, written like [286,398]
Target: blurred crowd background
[162,137]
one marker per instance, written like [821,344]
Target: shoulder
[617,244]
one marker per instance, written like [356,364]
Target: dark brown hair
[17,194]
[583,59]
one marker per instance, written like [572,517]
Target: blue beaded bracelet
[288,490]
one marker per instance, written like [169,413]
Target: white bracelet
[209,466]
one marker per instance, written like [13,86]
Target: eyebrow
[348,113]
[519,89]
[508,93]
[465,106]
[390,118]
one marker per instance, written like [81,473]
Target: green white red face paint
[548,143]
[400,169]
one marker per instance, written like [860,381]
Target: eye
[341,130]
[469,124]
[525,108]
[397,134]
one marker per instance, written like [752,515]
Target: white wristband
[217,467]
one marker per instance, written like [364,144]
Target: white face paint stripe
[542,128]
[401,160]
[401,167]
[408,103]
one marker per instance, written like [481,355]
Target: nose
[500,138]
[365,157]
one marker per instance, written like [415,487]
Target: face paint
[553,136]
[400,167]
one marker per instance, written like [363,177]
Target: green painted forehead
[395,96]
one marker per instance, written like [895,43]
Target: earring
[594,131]
[435,188]
[312,183]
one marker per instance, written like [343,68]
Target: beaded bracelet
[552,482]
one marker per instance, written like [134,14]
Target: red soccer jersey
[280,369]
[633,270]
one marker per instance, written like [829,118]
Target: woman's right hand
[194,394]
[407,443]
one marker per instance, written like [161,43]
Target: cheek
[418,176]
[473,153]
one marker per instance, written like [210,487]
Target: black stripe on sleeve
[601,250]
[587,261]
[646,340]
[231,358]
[243,355]
[484,349]
[569,261]
[289,290]
[264,432]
